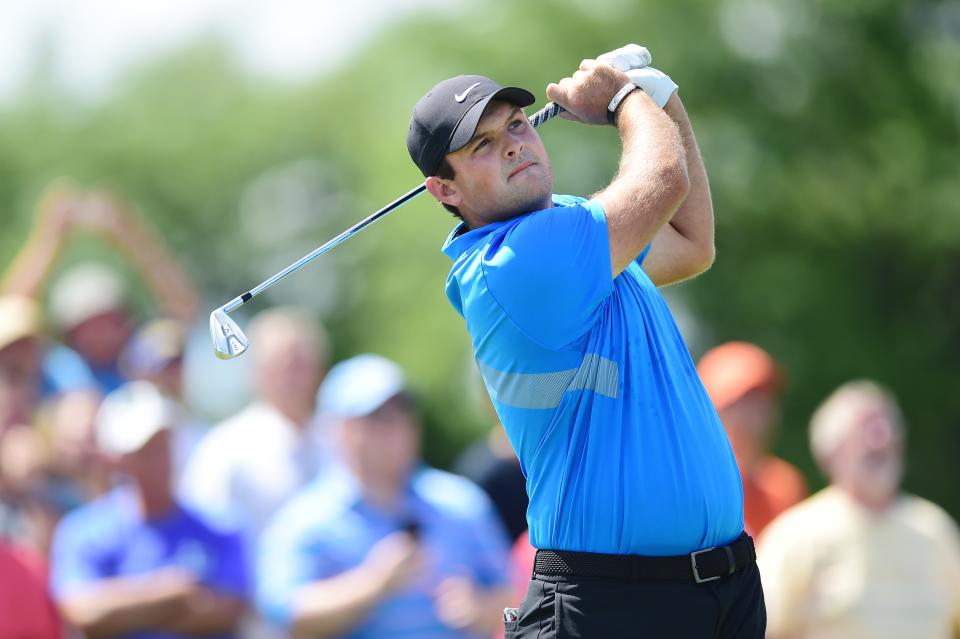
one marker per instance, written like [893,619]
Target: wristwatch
[618,97]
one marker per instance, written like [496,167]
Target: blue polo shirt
[621,446]
[328,528]
[110,538]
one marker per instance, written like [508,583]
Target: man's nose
[513,147]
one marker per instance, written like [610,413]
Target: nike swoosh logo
[460,97]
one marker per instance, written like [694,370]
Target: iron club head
[228,340]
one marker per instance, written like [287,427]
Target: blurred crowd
[310,512]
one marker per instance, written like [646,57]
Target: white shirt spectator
[248,465]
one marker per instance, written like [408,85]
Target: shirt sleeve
[550,273]
[75,562]
[231,573]
[490,550]
[286,561]
[206,483]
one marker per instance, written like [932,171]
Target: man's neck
[154,504]
[298,413]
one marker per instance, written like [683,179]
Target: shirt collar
[340,485]
[462,240]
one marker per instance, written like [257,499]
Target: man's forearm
[209,614]
[694,218]
[651,183]
[27,274]
[491,604]
[331,606]
[171,285]
[118,607]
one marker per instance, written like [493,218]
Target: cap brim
[468,123]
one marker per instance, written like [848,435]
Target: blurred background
[246,134]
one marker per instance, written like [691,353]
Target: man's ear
[444,191]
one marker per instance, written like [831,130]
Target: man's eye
[517,123]
[482,143]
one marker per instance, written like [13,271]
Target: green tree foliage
[830,131]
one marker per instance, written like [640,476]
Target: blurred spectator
[135,563]
[155,354]
[249,464]
[88,303]
[20,332]
[745,384]
[522,558]
[24,514]
[26,611]
[77,471]
[860,559]
[491,464]
[28,513]
[382,546]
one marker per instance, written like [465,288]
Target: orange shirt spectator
[745,384]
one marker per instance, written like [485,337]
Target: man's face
[288,367]
[151,466]
[503,171]
[748,421]
[19,381]
[101,338]
[384,446]
[869,462]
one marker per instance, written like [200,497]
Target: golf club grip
[549,111]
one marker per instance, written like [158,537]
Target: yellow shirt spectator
[833,569]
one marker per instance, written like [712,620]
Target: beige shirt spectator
[832,569]
[861,559]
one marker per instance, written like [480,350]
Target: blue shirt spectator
[329,528]
[381,546]
[111,538]
[135,563]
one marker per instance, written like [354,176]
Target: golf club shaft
[538,118]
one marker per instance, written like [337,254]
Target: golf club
[229,341]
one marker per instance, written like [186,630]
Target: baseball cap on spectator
[19,318]
[131,415]
[733,369]
[84,291]
[156,344]
[360,385]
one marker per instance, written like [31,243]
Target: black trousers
[567,607]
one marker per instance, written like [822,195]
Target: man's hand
[457,602]
[57,210]
[586,95]
[635,60]
[654,83]
[627,57]
[395,559]
[109,216]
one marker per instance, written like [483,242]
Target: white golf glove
[631,56]
[654,83]
[634,60]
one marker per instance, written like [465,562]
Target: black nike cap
[445,119]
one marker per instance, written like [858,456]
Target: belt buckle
[693,565]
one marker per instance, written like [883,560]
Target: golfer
[636,505]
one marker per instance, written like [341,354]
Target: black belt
[701,566]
